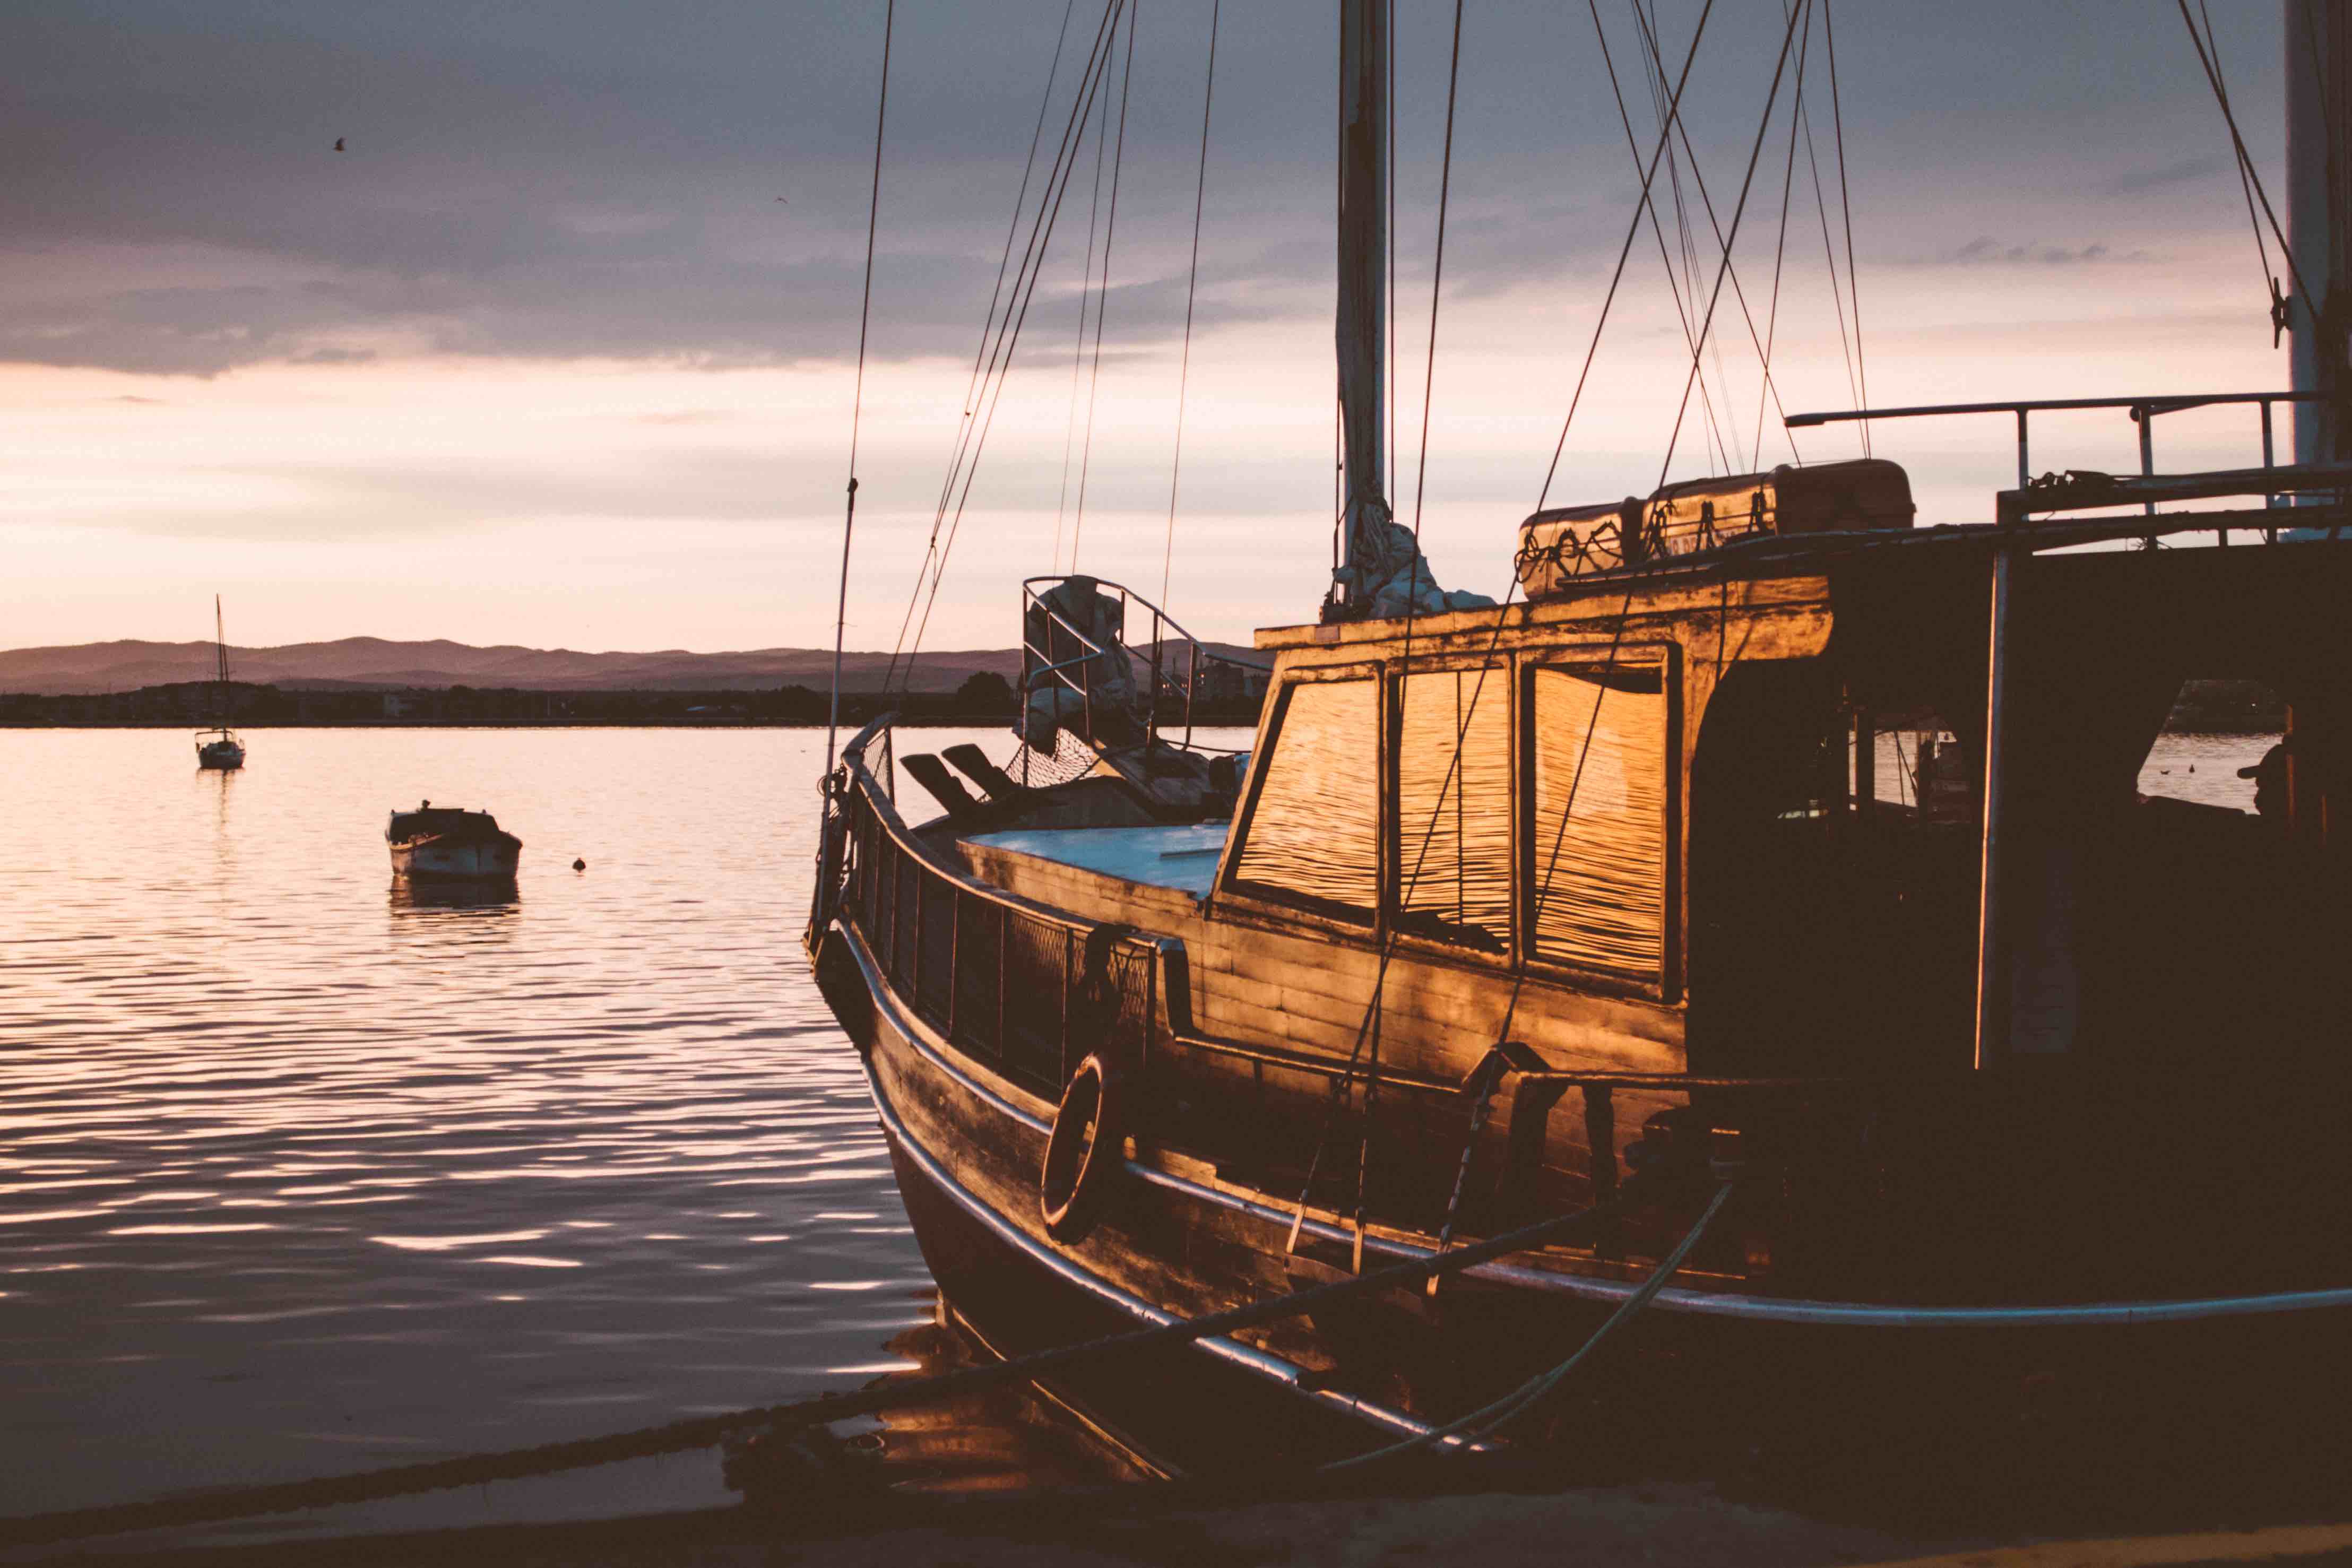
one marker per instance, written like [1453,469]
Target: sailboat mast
[1363,283]
[220,659]
[2319,201]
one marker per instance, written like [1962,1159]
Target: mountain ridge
[85,669]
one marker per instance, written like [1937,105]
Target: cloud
[1986,251]
[608,187]
[2179,172]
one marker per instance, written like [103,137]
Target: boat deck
[1182,858]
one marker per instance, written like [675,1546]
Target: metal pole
[2270,536]
[1363,282]
[2024,469]
[2318,44]
[2146,417]
[1992,1032]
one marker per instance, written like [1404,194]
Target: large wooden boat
[1771,834]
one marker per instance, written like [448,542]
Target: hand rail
[2144,410]
[1181,684]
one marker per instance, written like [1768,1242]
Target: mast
[220,663]
[1363,284]
[2319,200]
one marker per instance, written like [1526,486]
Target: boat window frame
[1664,983]
[1501,663]
[1233,892]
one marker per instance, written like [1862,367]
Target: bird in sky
[339,144]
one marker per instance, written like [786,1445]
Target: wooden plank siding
[1262,975]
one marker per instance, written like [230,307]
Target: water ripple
[302,1171]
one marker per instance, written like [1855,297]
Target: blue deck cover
[1183,858]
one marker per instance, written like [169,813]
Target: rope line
[1192,285]
[1102,297]
[857,396]
[1739,294]
[1006,332]
[2245,186]
[2246,160]
[1738,212]
[1483,1423]
[1008,338]
[1845,210]
[1078,346]
[1634,227]
[1780,245]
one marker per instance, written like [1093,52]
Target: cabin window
[1314,835]
[1596,823]
[1454,821]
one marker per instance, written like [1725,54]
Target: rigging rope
[1012,225]
[1738,212]
[857,397]
[1078,346]
[1192,285]
[2246,160]
[1845,210]
[1780,245]
[1739,294]
[1102,297]
[1576,400]
[2246,188]
[1674,285]
[984,362]
[1009,328]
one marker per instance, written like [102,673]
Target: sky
[561,350]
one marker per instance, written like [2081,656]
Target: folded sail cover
[1557,547]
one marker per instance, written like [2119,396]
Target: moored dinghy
[444,844]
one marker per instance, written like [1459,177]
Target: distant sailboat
[219,746]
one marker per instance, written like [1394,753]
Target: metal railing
[1099,663]
[2143,410]
[1026,992]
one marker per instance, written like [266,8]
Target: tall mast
[1363,284]
[2319,201]
[220,661]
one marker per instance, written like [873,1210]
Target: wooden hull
[967,1145]
[448,859]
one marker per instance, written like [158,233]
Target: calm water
[301,1175]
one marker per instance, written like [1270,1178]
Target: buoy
[579,865]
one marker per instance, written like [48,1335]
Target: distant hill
[377,664]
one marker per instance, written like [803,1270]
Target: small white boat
[224,751]
[444,844]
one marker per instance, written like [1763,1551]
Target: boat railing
[2143,411]
[1100,663]
[1023,990]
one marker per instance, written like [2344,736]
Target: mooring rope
[1489,1419]
[703,1431]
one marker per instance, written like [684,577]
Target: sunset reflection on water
[306,1173]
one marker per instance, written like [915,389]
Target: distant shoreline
[908,721]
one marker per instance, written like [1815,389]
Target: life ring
[1083,1154]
